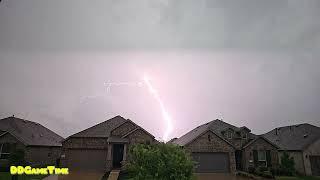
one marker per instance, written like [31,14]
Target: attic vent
[305,136]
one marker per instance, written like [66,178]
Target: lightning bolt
[165,114]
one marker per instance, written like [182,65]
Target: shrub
[251,170]
[287,165]
[159,161]
[263,169]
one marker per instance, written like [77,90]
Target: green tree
[159,162]
[287,165]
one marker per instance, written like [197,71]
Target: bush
[263,169]
[251,170]
[159,161]
[287,165]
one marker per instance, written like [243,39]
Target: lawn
[7,176]
[297,178]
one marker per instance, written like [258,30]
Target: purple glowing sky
[251,63]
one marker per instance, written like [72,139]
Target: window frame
[4,153]
[262,160]
[246,135]
[229,135]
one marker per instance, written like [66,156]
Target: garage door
[315,165]
[211,162]
[87,159]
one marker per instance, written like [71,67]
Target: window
[4,151]
[209,137]
[244,135]
[262,158]
[229,135]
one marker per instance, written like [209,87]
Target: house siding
[216,144]
[8,138]
[41,155]
[75,145]
[85,143]
[35,155]
[312,150]
[259,144]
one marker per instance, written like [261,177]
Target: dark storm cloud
[161,24]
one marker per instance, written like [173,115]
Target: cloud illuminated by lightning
[165,114]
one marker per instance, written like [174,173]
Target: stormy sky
[252,63]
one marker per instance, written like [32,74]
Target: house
[41,145]
[302,142]
[221,147]
[104,146]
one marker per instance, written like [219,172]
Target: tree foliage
[287,164]
[160,162]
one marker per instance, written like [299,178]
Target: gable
[260,143]
[140,136]
[8,138]
[102,129]
[123,129]
[209,141]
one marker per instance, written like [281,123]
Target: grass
[297,178]
[7,176]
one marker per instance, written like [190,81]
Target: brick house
[104,146]
[221,147]
[302,142]
[41,145]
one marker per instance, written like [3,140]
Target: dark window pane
[4,156]
[6,148]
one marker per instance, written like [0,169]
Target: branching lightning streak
[165,114]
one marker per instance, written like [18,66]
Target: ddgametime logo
[28,170]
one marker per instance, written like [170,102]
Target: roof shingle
[30,133]
[296,137]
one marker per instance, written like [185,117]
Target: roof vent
[305,136]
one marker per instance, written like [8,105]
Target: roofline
[214,134]
[18,138]
[128,120]
[35,145]
[72,136]
[260,136]
[136,130]
[291,125]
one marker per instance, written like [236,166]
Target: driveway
[222,176]
[77,175]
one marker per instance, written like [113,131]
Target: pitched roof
[217,126]
[260,137]
[102,129]
[295,137]
[30,133]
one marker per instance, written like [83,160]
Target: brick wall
[41,155]
[85,143]
[259,144]
[216,144]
